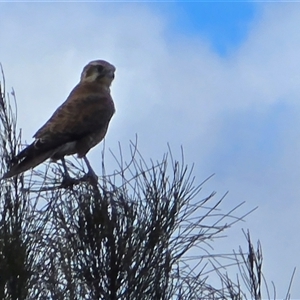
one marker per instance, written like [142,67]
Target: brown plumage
[77,125]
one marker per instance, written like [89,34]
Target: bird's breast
[90,141]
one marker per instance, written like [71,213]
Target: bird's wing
[79,116]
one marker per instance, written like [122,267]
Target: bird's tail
[27,159]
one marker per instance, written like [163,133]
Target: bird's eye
[100,68]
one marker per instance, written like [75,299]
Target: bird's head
[99,71]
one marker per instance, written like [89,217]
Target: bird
[79,124]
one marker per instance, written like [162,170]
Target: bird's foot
[68,182]
[91,177]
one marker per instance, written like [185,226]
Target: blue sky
[220,79]
[225,25]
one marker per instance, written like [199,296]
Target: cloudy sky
[220,79]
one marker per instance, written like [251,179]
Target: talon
[92,177]
[67,182]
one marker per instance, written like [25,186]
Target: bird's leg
[66,175]
[91,172]
[67,180]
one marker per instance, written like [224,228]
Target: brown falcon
[77,125]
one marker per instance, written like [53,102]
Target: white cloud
[177,90]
